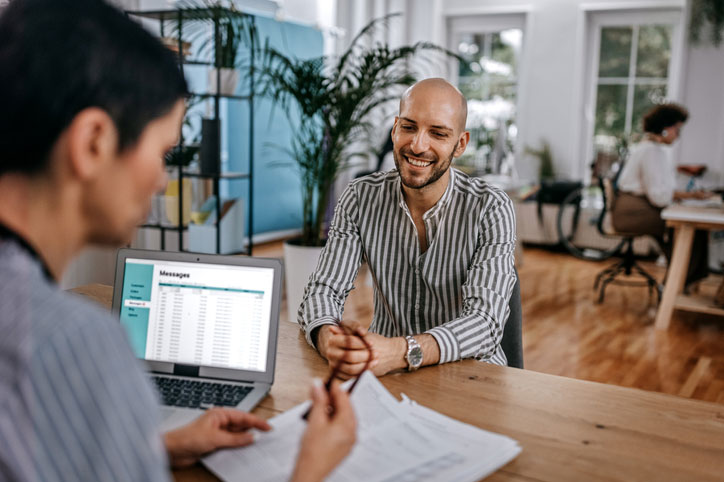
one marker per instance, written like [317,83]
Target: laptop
[206,326]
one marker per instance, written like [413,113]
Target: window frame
[596,20]
[489,20]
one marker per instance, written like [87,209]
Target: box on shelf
[169,216]
[202,237]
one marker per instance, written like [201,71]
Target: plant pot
[229,80]
[299,263]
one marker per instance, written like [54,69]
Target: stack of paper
[396,441]
[712,202]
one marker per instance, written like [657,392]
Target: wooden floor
[566,333]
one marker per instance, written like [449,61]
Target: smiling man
[439,245]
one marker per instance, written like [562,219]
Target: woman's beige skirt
[636,215]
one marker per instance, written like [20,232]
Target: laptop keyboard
[179,392]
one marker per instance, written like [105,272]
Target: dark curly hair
[663,116]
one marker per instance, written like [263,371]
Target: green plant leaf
[707,15]
[217,30]
[329,103]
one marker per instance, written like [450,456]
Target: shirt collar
[10,235]
[439,205]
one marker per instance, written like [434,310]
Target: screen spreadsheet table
[198,314]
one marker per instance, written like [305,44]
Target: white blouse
[649,171]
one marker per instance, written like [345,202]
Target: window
[491,46]
[492,68]
[632,76]
[634,63]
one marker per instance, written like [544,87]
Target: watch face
[416,357]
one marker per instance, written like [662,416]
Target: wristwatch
[413,355]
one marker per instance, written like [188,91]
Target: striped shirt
[74,402]
[457,291]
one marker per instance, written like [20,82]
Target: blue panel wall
[277,193]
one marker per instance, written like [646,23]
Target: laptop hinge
[186,370]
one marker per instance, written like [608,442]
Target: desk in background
[685,220]
[569,429]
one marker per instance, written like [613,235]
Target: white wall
[553,86]
[702,140]
[126,4]
[312,12]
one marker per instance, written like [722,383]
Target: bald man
[439,245]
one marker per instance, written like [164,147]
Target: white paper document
[396,441]
[712,202]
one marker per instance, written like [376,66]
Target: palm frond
[331,107]
[365,32]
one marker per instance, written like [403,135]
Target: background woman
[647,184]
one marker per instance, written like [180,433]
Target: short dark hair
[58,58]
[663,116]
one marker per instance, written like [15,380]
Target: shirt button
[417,306]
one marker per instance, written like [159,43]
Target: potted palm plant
[707,13]
[218,30]
[329,102]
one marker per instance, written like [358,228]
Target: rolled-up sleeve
[486,292]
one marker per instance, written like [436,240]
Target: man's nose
[420,143]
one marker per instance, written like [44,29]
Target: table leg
[676,275]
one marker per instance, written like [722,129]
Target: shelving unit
[181,16]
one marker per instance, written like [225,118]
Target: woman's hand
[330,434]
[217,428]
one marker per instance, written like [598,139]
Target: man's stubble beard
[438,171]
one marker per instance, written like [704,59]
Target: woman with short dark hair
[647,184]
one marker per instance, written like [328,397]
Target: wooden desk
[685,220]
[569,429]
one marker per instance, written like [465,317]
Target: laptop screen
[198,314]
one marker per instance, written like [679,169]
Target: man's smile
[417,162]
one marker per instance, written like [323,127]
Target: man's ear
[462,144]
[92,142]
[394,128]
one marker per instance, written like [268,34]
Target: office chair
[627,265]
[512,342]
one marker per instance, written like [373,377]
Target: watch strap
[412,345]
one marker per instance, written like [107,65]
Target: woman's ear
[92,141]
[664,133]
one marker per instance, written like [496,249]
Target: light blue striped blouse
[458,290]
[74,402]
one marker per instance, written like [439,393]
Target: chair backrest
[605,221]
[609,196]
[512,342]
